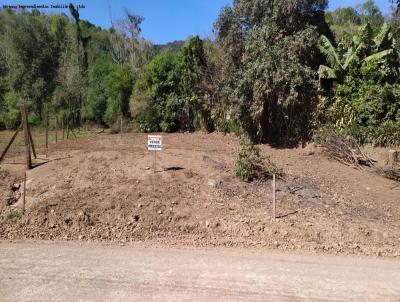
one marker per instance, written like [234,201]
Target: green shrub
[12,115]
[368,112]
[248,160]
[118,88]
[172,113]
[34,119]
[168,96]
[96,101]
[226,125]
[250,164]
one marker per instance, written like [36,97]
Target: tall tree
[344,20]
[70,94]
[31,58]
[370,13]
[117,88]
[68,98]
[272,51]
[347,21]
[82,42]
[127,44]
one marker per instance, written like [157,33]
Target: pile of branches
[342,148]
[345,150]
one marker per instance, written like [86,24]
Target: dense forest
[278,71]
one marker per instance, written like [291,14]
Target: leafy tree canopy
[271,49]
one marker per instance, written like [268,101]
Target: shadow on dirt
[174,169]
[287,215]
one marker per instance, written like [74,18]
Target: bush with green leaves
[364,99]
[251,164]
[387,134]
[144,116]
[366,110]
[96,101]
[168,96]
[11,113]
[117,88]
[248,160]
[160,91]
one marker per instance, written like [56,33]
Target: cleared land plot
[103,188]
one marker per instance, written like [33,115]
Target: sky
[165,20]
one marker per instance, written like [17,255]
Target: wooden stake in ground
[121,124]
[67,128]
[31,141]
[47,131]
[62,126]
[23,200]
[10,143]
[56,129]
[155,160]
[274,196]
[27,140]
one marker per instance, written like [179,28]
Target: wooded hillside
[277,72]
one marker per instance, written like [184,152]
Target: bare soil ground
[102,188]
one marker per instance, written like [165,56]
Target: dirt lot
[102,188]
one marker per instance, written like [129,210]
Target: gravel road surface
[89,272]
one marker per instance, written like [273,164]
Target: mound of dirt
[103,188]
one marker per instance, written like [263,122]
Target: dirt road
[73,272]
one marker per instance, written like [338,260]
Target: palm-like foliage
[361,48]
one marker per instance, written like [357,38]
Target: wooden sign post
[154,143]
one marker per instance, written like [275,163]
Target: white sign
[154,142]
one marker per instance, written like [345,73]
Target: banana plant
[362,48]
